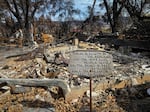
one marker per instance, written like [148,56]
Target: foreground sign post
[90,63]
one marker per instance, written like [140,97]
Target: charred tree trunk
[27,15]
[92,11]
[113,20]
[28,25]
[109,15]
[135,9]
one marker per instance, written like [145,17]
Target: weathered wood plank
[38,83]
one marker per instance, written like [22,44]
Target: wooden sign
[89,62]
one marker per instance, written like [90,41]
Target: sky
[82,5]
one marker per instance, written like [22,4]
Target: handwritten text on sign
[87,63]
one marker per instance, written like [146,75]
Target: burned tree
[113,10]
[23,12]
[136,10]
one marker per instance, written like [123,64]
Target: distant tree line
[21,13]
[16,14]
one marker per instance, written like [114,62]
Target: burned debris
[100,64]
[35,68]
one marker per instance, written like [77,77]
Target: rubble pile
[120,91]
